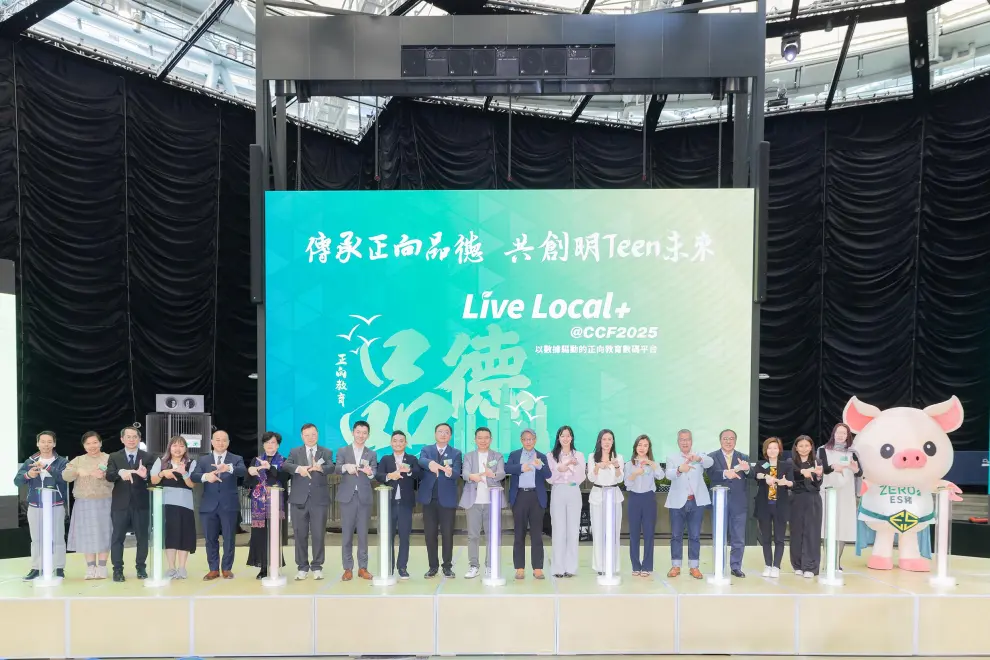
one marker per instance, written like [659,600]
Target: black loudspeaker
[484,62]
[414,62]
[762,214]
[531,62]
[258,174]
[603,60]
[459,62]
[554,61]
[969,539]
[507,63]
[436,64]
[578,62]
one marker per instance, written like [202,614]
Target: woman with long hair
[567,468]
[173,472]
[264,474]
[642,473]
[89,527]
[841,471]
[806,509]
[604,471]
[773,500]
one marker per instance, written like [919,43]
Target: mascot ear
[857,414]
[948,414]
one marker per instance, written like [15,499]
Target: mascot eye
[887,451]
[930,448]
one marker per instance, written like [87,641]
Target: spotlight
[790,46]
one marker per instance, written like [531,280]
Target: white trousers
[598,536]
[565,516]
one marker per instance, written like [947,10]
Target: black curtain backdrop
[125,204]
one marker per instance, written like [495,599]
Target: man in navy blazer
[219,508]
[441,465]
[731,468]
[400,471]
[528,473]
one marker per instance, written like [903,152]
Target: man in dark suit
[128,470]
[400,471]
[309,497]
[356,466]
[219,508]
[731,468]
[528,472]
[441,465]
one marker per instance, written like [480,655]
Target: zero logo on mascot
[904,453]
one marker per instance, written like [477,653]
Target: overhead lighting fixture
[790,46]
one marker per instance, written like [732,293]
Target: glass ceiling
[144,34]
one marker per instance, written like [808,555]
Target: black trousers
[806,531]
[129,520]
[773,532]
[527,516]
[401,521]
[439,518]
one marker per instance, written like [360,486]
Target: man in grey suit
[483,468]
[686,503]
[309,497]
[356,466]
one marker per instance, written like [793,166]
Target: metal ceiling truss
[203,23]
[29,15]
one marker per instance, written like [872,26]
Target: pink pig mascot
[905,453]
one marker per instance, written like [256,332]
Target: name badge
[364,462]
[844,459]
[319,462]
[766,465]
[492,464]
[447,462]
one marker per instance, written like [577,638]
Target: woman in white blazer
[604,470]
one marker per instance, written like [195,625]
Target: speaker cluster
[508,62]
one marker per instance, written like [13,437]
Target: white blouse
[609,476]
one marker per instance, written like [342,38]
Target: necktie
[310,452]
[130,460]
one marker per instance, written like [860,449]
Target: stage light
[790,46]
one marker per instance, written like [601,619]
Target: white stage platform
[883,613]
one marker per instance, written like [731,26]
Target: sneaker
[430,574]
[33,574]
[302,575]
[60,572]
[809,574]
[181,573]
[90,572]
[403,574]
[767,571]
[472,573]
[171,574]
[774,572]
[101,572]
[142,574]
[798,572]
[118,576]
[317,574]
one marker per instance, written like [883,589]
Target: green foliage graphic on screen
[622,309]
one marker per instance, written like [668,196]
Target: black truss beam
[579,108]
[850,30]
[488,103]
[917,26]
[777,28]
[404,8]
[590,4]
[30,15]
[652,118]
[210,15]
[794,9]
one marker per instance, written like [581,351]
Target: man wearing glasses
[438,496]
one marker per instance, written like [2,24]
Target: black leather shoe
[118,576]
[60,572]
[432,573]
[142,574]
[737,573]
[32,574]
[403,574]
[448,573]
[262,575]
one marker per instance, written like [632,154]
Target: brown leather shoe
[520,574]
[538,574]
[364,574]
[227,575]
[212,575]
[696,574]
[674,571]
[347,576]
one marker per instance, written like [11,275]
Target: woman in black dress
[172,472]
[264,474]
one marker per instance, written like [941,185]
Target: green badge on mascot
[904,453]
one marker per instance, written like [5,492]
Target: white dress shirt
[398,462]
[481,496]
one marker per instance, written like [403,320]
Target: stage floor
[882,613]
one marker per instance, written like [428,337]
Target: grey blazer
[346,489]
[309,490]
[470,466]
